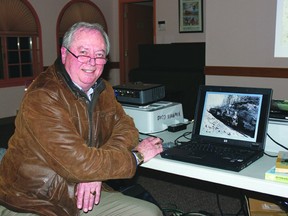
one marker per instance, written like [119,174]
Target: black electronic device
[139,93]
[177,127]
[279,110]
[229,129]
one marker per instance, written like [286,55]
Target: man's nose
[92,61]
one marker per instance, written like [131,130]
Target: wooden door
[138,29]
[136,26]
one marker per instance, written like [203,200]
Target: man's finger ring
[93,193]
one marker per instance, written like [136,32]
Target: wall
[241,33]
[237,33]
[48,12]
[167,10]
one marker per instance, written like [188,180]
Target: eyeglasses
[86,59]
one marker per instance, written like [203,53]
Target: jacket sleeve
[48,125]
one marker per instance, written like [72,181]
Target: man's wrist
[138,156]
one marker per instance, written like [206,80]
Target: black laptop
[229,129]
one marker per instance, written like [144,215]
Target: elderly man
[71,136]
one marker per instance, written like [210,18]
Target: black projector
[139,93]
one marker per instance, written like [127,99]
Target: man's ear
[63,54]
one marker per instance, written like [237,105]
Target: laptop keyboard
[224,152]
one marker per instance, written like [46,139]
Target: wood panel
[247,71]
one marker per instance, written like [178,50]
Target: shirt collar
[89,92]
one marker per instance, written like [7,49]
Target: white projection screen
[281,33]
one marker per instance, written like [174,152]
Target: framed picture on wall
[190,16]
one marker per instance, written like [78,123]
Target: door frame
[121,34]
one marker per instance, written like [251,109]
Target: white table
[251,178]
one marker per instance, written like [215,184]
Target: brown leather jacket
[61,139]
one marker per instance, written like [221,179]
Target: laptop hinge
[255,145]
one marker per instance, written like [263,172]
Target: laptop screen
[232,115]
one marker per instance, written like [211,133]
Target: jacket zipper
[90,117]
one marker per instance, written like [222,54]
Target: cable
[150,135]
[218,204]
[183,135]
[172,208]
[277,142]
[187,134]
[274,156]
[243,205]
[247,205]
[195,213]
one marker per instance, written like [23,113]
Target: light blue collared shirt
[88,93]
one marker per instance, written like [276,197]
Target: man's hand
[88,194]
[150,147]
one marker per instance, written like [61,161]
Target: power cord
[218,204]
[173,210]
[150,135]
[180,213]
[169,144]
[184,135]
[277,142]
[241,210]
[197,214]
[247,205]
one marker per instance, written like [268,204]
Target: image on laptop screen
[231,115]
